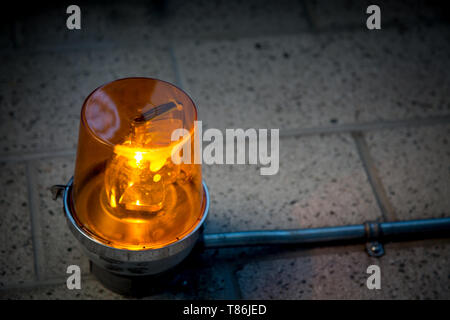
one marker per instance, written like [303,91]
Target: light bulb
[137,175]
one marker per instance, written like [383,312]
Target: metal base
[181,278]
[130,263]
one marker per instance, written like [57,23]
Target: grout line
[15,37]
[235,287]
[35,230]
[387,210]
[367,126]
[176,67]
[71,47]
[309,16]
[312,27]
[284,133]
[94,45]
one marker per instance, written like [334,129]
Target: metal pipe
[368,232]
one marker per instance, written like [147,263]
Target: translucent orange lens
[128,193]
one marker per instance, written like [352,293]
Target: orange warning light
[127,191]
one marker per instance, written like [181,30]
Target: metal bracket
[374,247]
[57,190]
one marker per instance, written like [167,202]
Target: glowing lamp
[135,210]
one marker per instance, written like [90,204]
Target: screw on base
[375,249]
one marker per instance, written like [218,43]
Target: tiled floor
[322,84]
[294,65]
[321,182]
[416,270]
[16,238]
[413,164]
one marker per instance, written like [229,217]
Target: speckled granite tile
[350,13]
[42,94]
[413,164]
[212,19]
[418,270]
[90,289]
[315,274]
[200,283]
[321,182]
[213,284]
[60,248]
[318,79]
[16,248]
